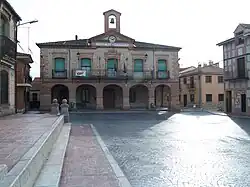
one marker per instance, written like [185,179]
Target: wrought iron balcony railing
[112,74]
[7,47]
[59,74]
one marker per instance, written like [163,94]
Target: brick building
[23,81]
[8,45]
[109,71]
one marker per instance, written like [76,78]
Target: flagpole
[28,40]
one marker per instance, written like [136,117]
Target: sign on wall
[80,73]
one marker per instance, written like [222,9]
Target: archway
[4,87]
[59,92]
[138,96]
[86,97]
[162,96]
[112,97]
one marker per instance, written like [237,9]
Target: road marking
[123,181]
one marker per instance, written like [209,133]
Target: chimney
[76,37]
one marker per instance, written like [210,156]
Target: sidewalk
[18,133]
[85,163]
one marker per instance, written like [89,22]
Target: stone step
[51,173]
[3,171]
[25,172]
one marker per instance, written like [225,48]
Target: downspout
[69,69]
[15,69]
[200,90]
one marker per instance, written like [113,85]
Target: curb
[123,181]
[25,172]
[54,165]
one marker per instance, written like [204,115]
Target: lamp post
[17,25]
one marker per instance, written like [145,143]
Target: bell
[112,20]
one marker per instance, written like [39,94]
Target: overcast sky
[195,25]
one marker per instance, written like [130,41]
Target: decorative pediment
[105,37]
[239,28]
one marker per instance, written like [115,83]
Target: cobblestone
[189,149]
[85,163]
[18,133]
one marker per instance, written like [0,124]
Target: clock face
[112,39]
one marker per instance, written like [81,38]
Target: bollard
[65,110]
[55,107]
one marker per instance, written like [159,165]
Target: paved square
[188,149]
[18,133]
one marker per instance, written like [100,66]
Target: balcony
[86,74]
[112,74]
[59,74]
[230,75]
[162,74]
[7,48]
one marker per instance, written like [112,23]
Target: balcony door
[59,67]
[86,66]
[162,69]
[138,68]
[112,67]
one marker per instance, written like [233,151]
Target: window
[112,67]
[138,68]
[209,98]
[208,79]
[86,65]
[185,80]
[132,96]
[192,82]
[220,97]
[85,96]
[240,51]
[162,69]
[4,89]
[34,97]
[241,67]
[59,64]
[5,27]
[220,79]
[191,98]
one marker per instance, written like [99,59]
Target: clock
[112,39]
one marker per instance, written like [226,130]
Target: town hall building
[108,71]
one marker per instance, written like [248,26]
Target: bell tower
[112,20]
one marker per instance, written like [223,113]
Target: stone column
[99,98]
[125,103]
[175,103]
[45,97]
[72,97]
[151,97]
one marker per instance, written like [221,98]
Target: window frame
[208,100]
[219,99]
[207,80]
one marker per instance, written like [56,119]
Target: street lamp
[17,25]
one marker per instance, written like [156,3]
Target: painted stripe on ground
[123,181]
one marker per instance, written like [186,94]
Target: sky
[194,25]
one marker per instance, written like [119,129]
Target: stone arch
[112,97]
[4,87]
[138,96]
[59,92]
[86,96]
[162,96]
